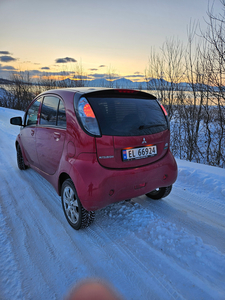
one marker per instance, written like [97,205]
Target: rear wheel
[160,193]
[76,215]
[20,160]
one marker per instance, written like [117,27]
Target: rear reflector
[111,192]
[139,186]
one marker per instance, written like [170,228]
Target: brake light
[124,91]
[164,110]
[88,111]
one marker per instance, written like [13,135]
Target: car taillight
[87,117]
[88,111]
[164,110]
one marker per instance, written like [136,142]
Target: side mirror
[16,121]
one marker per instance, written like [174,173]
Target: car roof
[94,90]
[77,89]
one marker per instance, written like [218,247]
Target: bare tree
[20,93]
[215,40]
[165,70]
[110,76]
[80,77]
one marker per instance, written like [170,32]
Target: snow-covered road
[168,249]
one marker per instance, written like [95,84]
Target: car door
[28,133]
[50,135]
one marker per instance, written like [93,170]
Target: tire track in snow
[188,214]
[119,264]
[9,285]
[174,252]
[28,193]
[38,244]
[26,181]
[133,268]
[20,219]
[203,206]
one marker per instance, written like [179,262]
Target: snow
[168,249]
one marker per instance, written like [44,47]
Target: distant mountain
[5,81]
[123,82]
[117,83]
[2,92]
[153,84]
[158,82]
[98,82]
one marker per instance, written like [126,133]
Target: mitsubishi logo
[144,141]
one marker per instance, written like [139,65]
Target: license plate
[138,153]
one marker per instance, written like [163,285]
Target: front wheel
[20,160]
[160,193]
[76,215]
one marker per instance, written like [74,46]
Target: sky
[99,36]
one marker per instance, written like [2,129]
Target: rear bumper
[98,187]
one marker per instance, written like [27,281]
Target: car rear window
[128,116]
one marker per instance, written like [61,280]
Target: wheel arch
[63,176]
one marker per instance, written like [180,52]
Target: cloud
[6,58]
[135,76]
[102,66]
[4,52]
[34,72]
[93,69]
[96,75]
[61,73]
[6,71]
[65,60]
[80,77]
[8,68]
[112,76]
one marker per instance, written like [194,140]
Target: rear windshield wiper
[149,126]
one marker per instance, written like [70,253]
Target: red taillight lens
[88,111]
[164,110]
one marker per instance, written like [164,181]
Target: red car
[96,147]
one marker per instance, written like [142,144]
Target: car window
[32,114]
[128,116]
[53,112]
[49,110]
[61,120]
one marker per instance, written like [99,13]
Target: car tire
[20,160]
[160,193]
[77,216]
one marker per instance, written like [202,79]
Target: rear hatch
[134,128]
